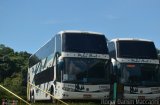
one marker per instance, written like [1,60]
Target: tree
[13,71]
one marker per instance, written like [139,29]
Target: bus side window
[44,76]
[112,51]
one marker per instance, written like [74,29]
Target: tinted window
[44,76]
[85,43]
[140,74]
[43,52]
[86,70]
[136,49]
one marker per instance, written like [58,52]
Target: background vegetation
[13,71]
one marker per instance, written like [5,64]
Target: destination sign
[85,55]
[130,60]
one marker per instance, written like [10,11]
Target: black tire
[53,100]
[32,97]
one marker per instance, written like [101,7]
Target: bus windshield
[84,42]
[80,70]
[140,74]
[136,49]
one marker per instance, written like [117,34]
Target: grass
[71,103]
[59,103]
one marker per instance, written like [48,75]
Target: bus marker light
[131,66]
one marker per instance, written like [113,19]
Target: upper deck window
[136,49]
[84,43]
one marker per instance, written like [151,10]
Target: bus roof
[130,39]
[77,31]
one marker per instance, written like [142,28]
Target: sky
[26,25]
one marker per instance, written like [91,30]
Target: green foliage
[13,71]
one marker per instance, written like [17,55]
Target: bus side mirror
[60,65]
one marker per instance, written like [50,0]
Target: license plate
[87,95]
[141,97]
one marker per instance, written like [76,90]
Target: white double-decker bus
[72,65]
[136,65]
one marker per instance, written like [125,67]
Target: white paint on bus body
[139,92]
